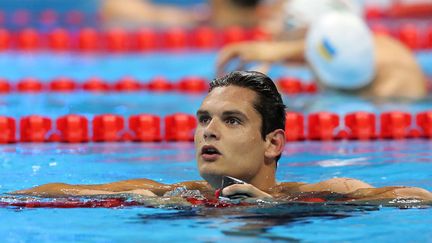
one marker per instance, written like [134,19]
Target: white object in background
[300,14]
[340,49]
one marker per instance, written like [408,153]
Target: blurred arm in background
[220,13]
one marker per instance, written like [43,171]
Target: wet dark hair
[269,103]
[246,3]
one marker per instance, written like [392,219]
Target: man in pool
[219,13]
[343,55]
[240,134]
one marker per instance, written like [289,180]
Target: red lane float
[5,39]
[406,9]
[120,40]
[192,85]
[127,84]
[62,84]
[88,40]
[108,128]
[395,125]
[293,86]
[424,121]
[361,125]
[116,40]
[145,128]
[233,34]
[73,129]
[374,12]
[189,84]
[409,35]
[145,40]
[34,128]
[8,129]
[322,126]
[428,38]
[5,86]
[290,85]
[59,40]
[96,85]
[29,85]
[28,40]
[416,35]
[180,127]
[204,38]
[294,126]
[175,38]
[160,84]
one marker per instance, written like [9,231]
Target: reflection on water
[258,221]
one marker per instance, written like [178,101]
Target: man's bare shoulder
[357,190]
[337,185]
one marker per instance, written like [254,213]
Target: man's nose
[211,131]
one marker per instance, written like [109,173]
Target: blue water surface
[379,163]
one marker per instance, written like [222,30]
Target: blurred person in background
[331,38]
[219,13]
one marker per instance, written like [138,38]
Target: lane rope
[180,127]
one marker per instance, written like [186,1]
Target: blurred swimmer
[240,134]
[344,55]
[221,13]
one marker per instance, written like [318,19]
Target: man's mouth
[210,153]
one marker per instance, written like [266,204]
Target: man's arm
[361,191]
[352,188]
[263,52]
[338,185]
[64,190]
[389,193]
[398,75]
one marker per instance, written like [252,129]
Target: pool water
[380,163]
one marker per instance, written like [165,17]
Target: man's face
[228,137]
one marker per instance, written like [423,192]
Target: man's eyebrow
[235,113]
[202,113]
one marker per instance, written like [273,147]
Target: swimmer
[343,55]
[240,134]
[220,13]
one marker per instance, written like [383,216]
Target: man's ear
[275,143]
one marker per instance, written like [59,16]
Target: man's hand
[265,53]
[246,189]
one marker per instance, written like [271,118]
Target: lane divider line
[180,127]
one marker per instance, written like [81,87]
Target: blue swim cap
[340,49]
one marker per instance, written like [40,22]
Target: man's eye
[203,119]
[232,121]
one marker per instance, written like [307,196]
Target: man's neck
[265,179]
